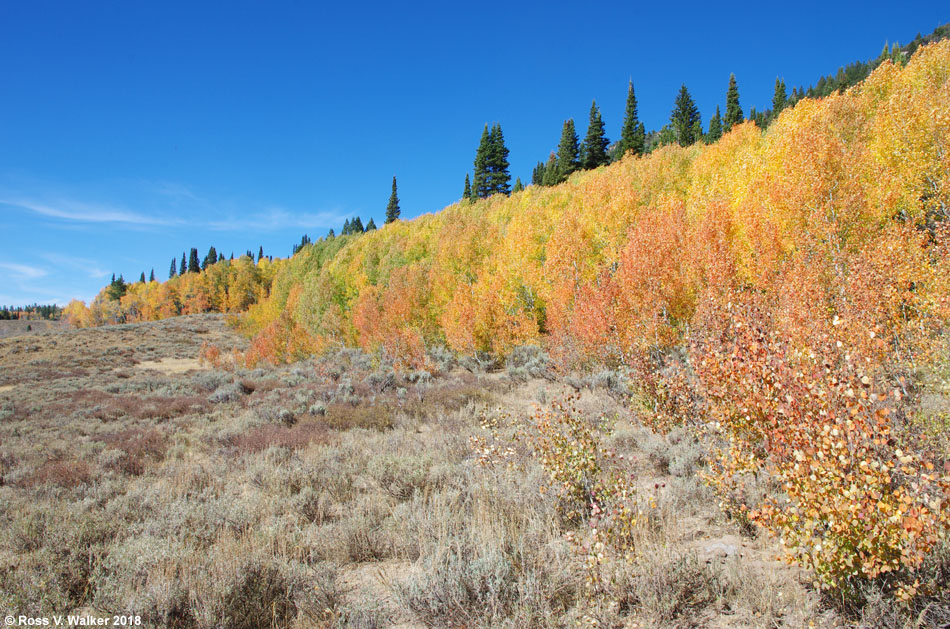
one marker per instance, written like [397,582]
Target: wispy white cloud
[278,218]
[90,267]
[268,219]
[31,297]
[180,193]
[23,271]
[79,211]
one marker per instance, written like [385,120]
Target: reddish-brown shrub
[347,416]
[140,448]
[294,437]
[106,406]
[65,473]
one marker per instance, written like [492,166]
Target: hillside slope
[617,260]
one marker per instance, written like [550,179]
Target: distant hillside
[853,73]
[782,296]
[622,258]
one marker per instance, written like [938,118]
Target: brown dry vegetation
[11,328]
[338,492]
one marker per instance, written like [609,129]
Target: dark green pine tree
[371,225]
[596,142]
[684,118]
[499,179]
[537,175]
[734,114]
[184,264]
[551,176]
[480,180]
[715,127]
[193,265]
[220,257]
[631,135]
[356,226]
[568,152]
[392,210]
[260,253]
[758,118]
[780,98]
[346,231]
[330,234]
[116,288]
[142,277]
[467,190]
[210,259]
[151,277]
[173,271]
[518,185]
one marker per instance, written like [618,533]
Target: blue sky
[131,131]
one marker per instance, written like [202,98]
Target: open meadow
[135,479]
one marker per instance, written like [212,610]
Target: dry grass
[340,493]
[277,436]
[64,473]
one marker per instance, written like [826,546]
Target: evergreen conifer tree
[371,225]
[346,231]
[715,127]
[173,270]
[537,175]
[260,253]
[596,142]
[568,152]
[480,180]
[392,210]
[551,177]
[142,277]
[356,226]
[684,118]
[220,257]
[330,234]
[116,288]
[193,265]
[757,117]
[151,277]
[467,190]
[184,264]
[734,114]
[518,185]
[780,98]
[210,259]
[499,179]
[631,135]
